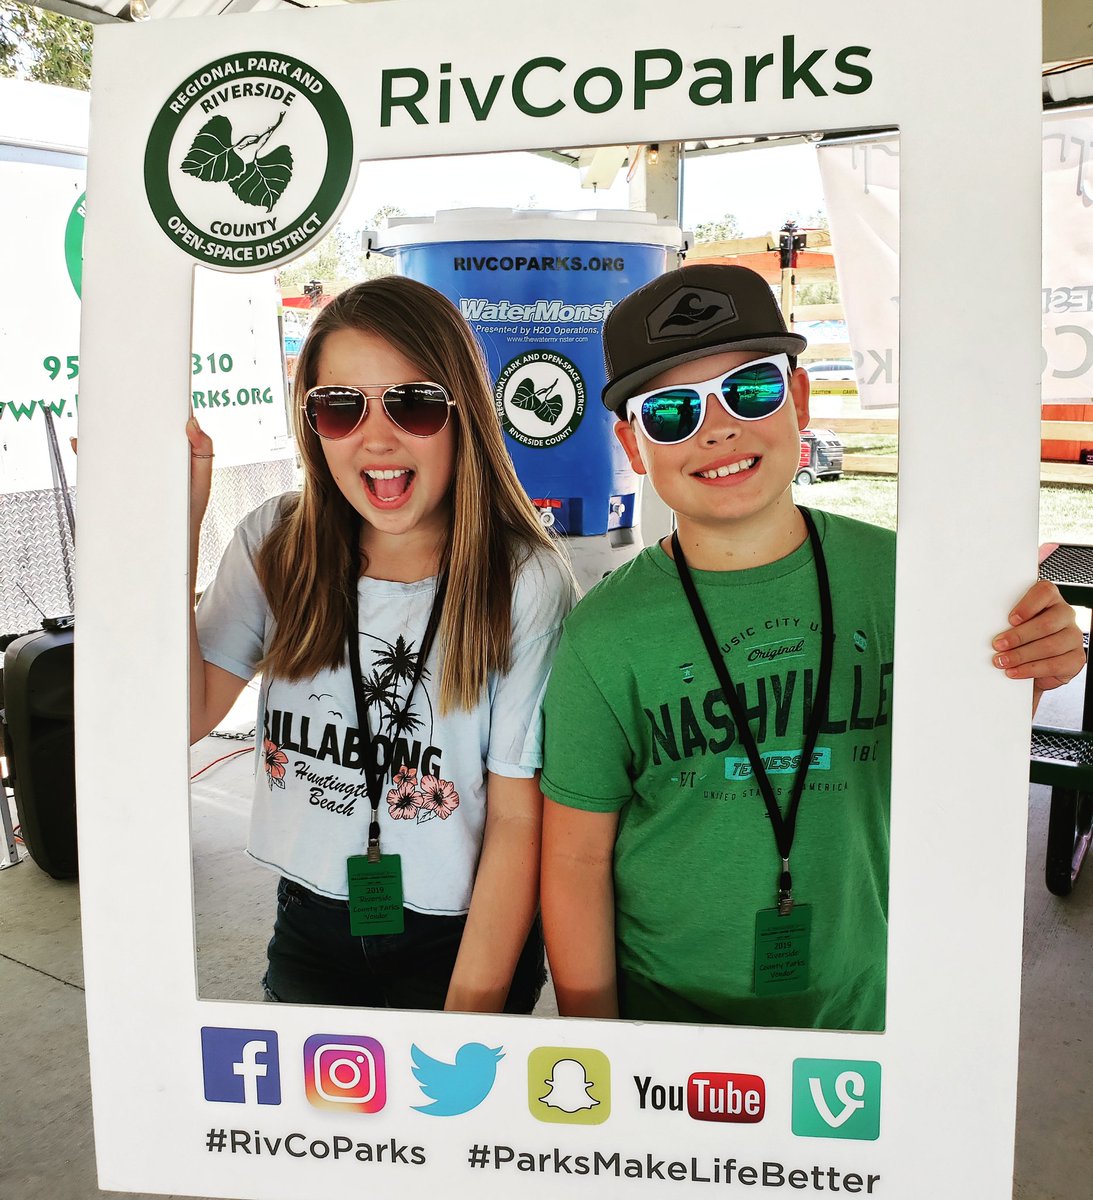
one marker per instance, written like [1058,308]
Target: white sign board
[238,388]
[42,211]
[260,1104]
[237,380]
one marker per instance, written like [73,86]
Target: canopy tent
[100,12]
[1068,33]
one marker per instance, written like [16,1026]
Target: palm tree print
[403,721]
[380,691]
[393,668]
[399,661]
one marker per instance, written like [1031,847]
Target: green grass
[1066,513]
[869,443]
[869,498]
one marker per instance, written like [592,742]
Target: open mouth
[741,467]
[388,487]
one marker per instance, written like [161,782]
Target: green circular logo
[248,160]
[539,397]
[74,244]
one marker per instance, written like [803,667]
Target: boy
[718,726]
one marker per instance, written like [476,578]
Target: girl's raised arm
[212,689]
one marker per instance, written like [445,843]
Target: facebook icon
[240,1065]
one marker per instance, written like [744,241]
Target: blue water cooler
[536,287]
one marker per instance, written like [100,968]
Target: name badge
[783,949]
[375,895]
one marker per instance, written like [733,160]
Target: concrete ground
[46,1150]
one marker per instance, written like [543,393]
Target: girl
[398,793]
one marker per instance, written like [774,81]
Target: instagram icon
[345,1072]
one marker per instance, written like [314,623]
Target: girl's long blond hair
[304,563]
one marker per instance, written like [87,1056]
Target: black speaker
[39,745]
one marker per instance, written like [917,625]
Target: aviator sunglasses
[751,392]
[419,409]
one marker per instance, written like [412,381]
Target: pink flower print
[407,775]
[276,759]
[403,800]
[439,796]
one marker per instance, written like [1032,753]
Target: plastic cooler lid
[529,225]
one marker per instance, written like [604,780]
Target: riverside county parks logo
[539,398]
[248,160]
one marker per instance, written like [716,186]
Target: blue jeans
[314,959]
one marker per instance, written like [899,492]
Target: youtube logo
[718,1096]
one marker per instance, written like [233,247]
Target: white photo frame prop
[946,1065]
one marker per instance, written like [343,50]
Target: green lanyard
[784,827]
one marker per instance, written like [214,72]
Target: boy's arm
[1043,643]
[586,781]
[578,899]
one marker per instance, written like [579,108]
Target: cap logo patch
[689,311]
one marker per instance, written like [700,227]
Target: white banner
[861,188]
[40,203]
[1068,256]
[238,381]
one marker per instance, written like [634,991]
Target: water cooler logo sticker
[248,160]
[539,398]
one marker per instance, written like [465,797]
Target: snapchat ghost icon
[569,1085]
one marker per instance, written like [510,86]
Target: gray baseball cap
[687,314]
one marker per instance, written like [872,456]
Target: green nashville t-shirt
[636,722]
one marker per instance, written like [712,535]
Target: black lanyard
[373,775]
[784,827]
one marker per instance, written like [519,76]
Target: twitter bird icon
[457,1087]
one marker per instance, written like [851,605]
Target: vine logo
[836,1098]
[248,160]
[539,397]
